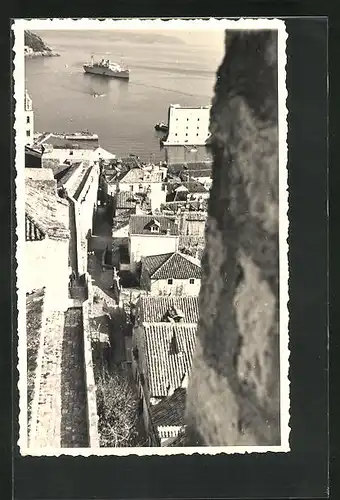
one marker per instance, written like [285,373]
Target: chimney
[185,381]
[138,209]
[171,390]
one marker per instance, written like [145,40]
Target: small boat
[162,127]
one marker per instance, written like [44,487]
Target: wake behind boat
[107,68]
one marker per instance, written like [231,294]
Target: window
[131,188]
[27,119]
[191,281]
[170,281]
[28,133]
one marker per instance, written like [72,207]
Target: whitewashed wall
[144,245]
[46,265]
[179,287]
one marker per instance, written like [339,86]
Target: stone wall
[233,394]
[92,415]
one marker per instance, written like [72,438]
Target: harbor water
[176,67]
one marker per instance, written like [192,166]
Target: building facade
[151,235]
[29,120]
[170,274]
[188,134]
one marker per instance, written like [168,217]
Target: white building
[29,120]
[188,134]
[151,235]
[171,274]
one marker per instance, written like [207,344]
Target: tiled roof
[68,173]
[34,152]
[191,240]
[139,175]
[154,309]
[176,168]
[170,411]
[61,171]
[153,262]
[125,199]
[112,175]
[174,265]
[192,206]
[197,216]
[32,232]
[168,351]
[41,208]
[179,440]
[122,220]
[197,173]
[140,224]
[52,163]
[82,183]
[192,186]
[34,307]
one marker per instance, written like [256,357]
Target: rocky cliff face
[233,395]
[35,42]
[37,45]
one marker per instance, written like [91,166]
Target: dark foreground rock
[233,395]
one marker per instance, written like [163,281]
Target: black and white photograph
[152,254]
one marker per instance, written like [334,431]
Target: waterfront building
[171,274]
[29,120]
[188,134]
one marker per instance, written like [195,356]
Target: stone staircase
[46,411]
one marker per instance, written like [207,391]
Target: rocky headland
[36,47]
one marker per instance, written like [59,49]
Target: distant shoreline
[43,53]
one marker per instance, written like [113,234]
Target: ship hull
[107,72]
